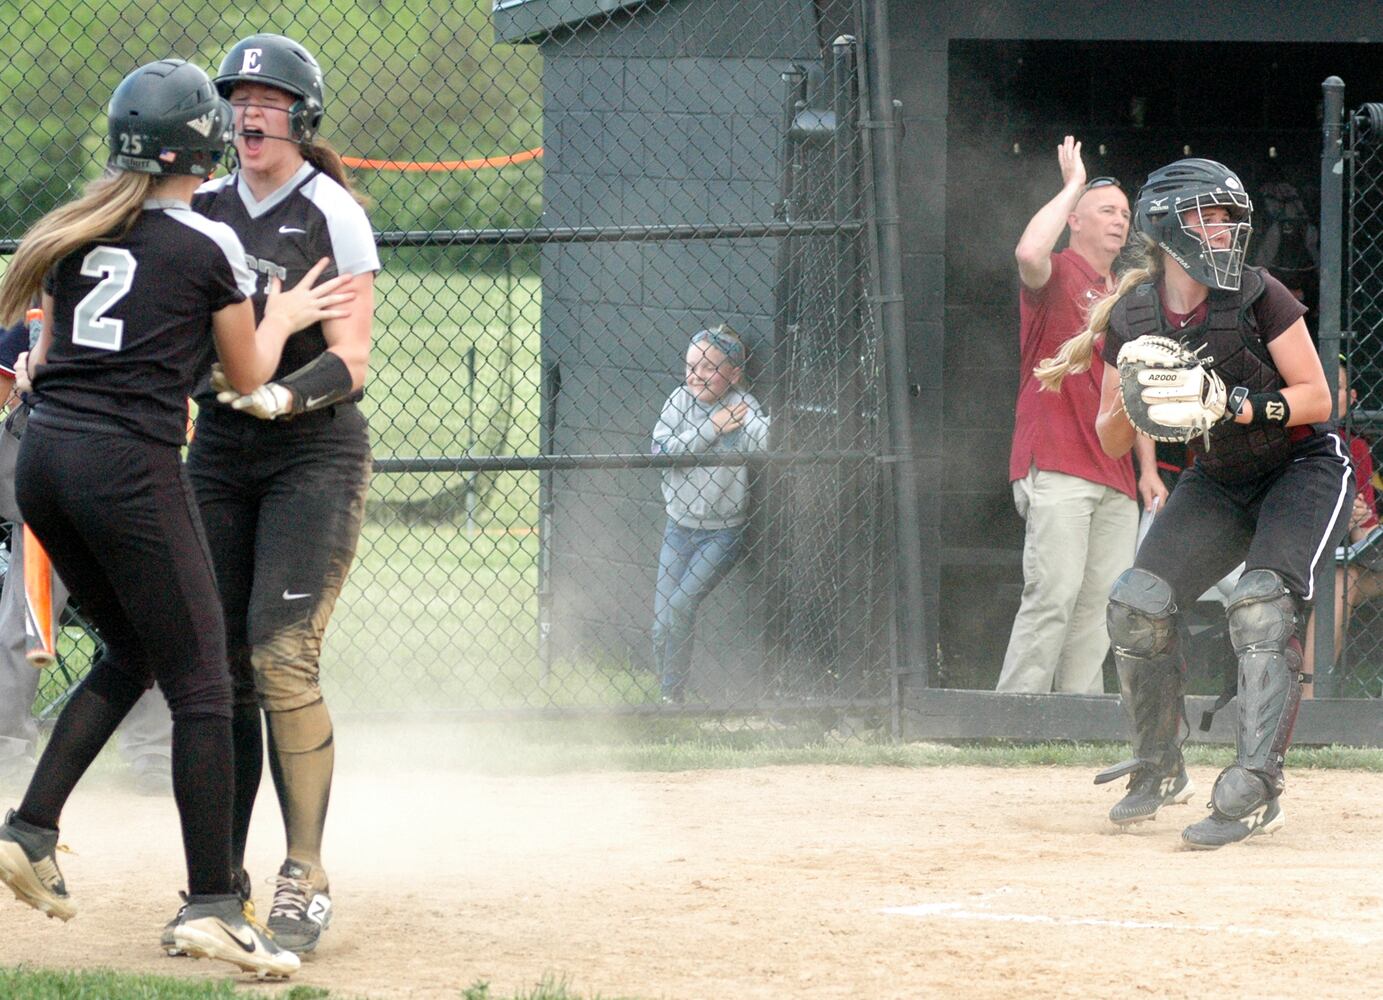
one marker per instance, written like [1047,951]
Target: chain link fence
[565,194]
[1359,665]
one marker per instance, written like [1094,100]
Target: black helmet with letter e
[167,118]
[1170,208]
[278,62]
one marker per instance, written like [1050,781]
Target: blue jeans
[691,563]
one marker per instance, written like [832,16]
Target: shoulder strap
[1231,313]
[1139,313]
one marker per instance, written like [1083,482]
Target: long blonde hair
[1074,356]
[107,207]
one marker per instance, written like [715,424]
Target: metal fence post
[912,632]
[1332,242]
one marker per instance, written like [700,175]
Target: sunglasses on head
[1100,182]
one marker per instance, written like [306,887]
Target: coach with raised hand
[1077,502]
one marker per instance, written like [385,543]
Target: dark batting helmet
[1191,186]
[167,118]
[278,62]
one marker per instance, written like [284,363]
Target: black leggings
[117,517]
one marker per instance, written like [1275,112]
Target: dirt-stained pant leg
[283,505]
[309,524]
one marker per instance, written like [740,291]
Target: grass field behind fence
[441,607]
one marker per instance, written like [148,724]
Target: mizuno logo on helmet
[251,61]
[1157,205]
[202,124]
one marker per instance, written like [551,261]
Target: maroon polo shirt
[1055,431]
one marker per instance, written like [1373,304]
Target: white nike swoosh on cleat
[294,597]
[289,229]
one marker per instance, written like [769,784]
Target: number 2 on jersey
[91,327]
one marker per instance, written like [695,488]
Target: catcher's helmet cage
[279,62]
[1192,186]
[167,118]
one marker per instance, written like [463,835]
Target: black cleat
[302,906]
[1217,830]
[1147,793]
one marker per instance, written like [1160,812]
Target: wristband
[318,384]
[1269,408]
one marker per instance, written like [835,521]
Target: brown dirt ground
[769,882]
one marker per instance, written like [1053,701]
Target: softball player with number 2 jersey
[281,473]
[137,290]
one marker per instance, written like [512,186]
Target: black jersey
[132,321]
[308,218]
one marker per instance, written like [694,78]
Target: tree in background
[406,80]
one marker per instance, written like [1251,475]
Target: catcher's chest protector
[1229,345]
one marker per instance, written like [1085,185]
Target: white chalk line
[960,911]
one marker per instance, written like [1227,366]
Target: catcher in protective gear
[1166,391]
[1274,491]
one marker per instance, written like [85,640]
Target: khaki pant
[1080,537]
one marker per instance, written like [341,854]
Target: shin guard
[1263,619]
[1142,626]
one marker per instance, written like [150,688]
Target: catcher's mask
[1170,210]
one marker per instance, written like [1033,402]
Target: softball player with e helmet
[137,291]
[281,473]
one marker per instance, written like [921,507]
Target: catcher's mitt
[1167,393]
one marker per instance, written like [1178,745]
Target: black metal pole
[912,625]
[1328,334]
[590,234]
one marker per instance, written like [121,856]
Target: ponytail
[1074,356]
[108,207]
[324,158]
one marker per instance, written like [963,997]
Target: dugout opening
[1134,106]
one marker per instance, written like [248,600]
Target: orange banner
[439,166]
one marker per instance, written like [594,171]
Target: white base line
[957,911]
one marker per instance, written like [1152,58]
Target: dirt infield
[772,882]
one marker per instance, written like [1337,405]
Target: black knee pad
[1141,615]
[1263,613]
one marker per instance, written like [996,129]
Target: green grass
[571,745]
[441,608]
[441,605]
[424,401]
[24,983]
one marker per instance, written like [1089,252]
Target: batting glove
[270,400]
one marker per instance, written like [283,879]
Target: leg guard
[1143,629]
[1263,619]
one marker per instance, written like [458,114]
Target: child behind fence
[707,505]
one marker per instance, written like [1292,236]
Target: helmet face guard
[1171,209]
[1222,245]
